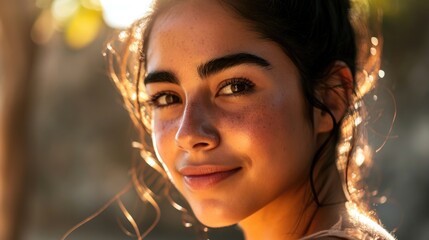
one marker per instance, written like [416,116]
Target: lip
[203,177]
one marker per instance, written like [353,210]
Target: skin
[261,130]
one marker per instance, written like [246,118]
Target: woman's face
[230,123]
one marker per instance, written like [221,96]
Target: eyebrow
[211,67]
[161,76]
[219,64]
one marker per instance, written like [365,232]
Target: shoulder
[360,226]
[353,225]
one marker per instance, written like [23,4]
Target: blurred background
[65,138]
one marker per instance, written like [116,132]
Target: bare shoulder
[353,225]
[360,226]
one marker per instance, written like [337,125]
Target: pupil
[238,87]
[169,99]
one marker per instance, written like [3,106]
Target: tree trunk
[16,58]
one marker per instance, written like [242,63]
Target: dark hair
[313,33]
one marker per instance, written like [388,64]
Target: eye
[164,99]
[235,86]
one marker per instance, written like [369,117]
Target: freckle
[238,119]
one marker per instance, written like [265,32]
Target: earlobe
[334,94]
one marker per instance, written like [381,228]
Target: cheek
[269,121]
[163,135]
[262,129]
[275,136]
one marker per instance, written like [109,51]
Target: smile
[203,177]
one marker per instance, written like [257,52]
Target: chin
[214,219]
[216,223]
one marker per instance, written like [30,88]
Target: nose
[197,131]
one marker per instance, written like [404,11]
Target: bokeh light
[62,10]
[83,28]
[120,14]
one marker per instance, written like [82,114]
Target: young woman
[254,111]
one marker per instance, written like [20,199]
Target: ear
[334,94]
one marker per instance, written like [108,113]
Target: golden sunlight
[121,14]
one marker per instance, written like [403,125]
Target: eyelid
[235,80]
[153,98]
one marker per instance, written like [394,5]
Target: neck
[295,214]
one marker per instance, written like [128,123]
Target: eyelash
[235,81]
[153,101]
[249,87]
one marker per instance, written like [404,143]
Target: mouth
[204,177]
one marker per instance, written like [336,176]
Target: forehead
[197,31]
